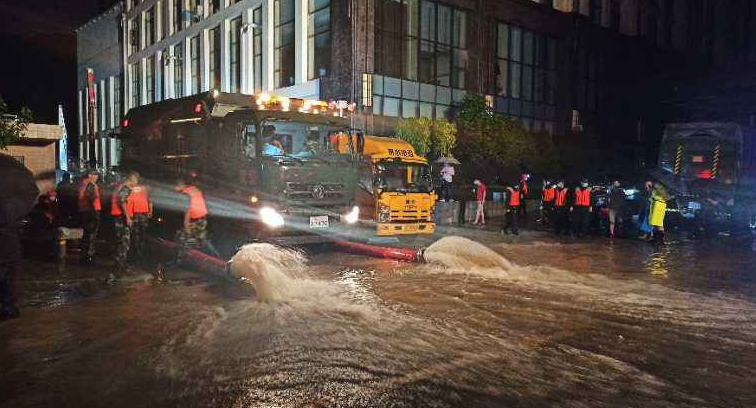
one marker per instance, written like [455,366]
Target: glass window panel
[514,80]
[527,109]
[516,44]
[541,51]
[426,71]
[426,110]
[427,93]
[527,47]
[319,21]
[527,123]
[458,95]
[444,24]
[410,90]
[515,107]
[317,4]
[413,16]
[377,104]
[502,77]
[502,42]
[391,107]
[441,111]
[551,85]
[443,95]
[392,87]
[428,21]
[410,60]
[443,65]
[377,85]
[549,127]
[460,29]
[540,81]
[527,83]
[409,109]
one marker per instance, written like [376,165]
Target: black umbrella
[18,190]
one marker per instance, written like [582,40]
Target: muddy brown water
[542,323]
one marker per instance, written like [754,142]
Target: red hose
[407,255]
[194,259]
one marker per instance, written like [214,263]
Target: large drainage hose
[194,259]
[407,255]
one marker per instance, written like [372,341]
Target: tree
[428,136]
[490,144]
[12,125]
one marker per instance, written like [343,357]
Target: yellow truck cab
[395,188]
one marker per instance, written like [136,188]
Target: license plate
[692,205]
[320,221]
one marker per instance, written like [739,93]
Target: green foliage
[426,135]
[12,125]
[490,144]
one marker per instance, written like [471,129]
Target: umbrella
[18,190]
[449,160]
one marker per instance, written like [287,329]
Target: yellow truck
[394,187]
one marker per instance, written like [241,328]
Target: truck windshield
[396,176]
[296,139]
[698,157]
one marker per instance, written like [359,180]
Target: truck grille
[314,191]
[398,215]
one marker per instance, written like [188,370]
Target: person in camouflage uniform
[89,209]
[194,233]
[122,213]
[142,207]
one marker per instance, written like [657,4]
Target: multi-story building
[559,66]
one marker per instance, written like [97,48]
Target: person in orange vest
[141,205]
[514,203]
[547,202]
[581,209]
[561,216]
[194,231]
[523,211]
[122,211]
[89,209]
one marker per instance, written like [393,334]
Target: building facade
[563,67]
[36,149]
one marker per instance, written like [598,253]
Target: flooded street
[538,323]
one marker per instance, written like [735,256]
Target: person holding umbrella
[447,177]
[18,192]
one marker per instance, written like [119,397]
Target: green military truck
[265,163]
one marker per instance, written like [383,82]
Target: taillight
[198,108]
[125,123]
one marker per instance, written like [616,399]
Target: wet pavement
[538,321]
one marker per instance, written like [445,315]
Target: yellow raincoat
[659,199]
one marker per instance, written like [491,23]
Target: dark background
[38,64]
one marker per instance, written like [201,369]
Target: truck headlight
[271,217]
[352,216]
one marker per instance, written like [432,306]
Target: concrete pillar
[267,44]
[300,41]
[225,50]
[111,102]
[204,60]
[245,56]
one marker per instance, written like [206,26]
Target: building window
[20,159]
[149,27]
[178,70]
[590,69]
[178,15]
[235,55]
[117,108]
[195,68]
[596,10]
[150,79]
[257,48]
[194,10]
[432,39]
[402,98]
[134,35]
[283,58]
[615,16]
[214,53]
[165,18]
[319,38]
[526,76]
[215,6]
[135,75]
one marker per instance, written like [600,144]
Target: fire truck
[265,163]
[394,190]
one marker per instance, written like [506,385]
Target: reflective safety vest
[514,198]
[84,203]
[139,200]
[560,198]
[582,197]
[548,194]
[115,209]
[197,207]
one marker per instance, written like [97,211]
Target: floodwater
[543,322]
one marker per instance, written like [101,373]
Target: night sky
[38,67]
